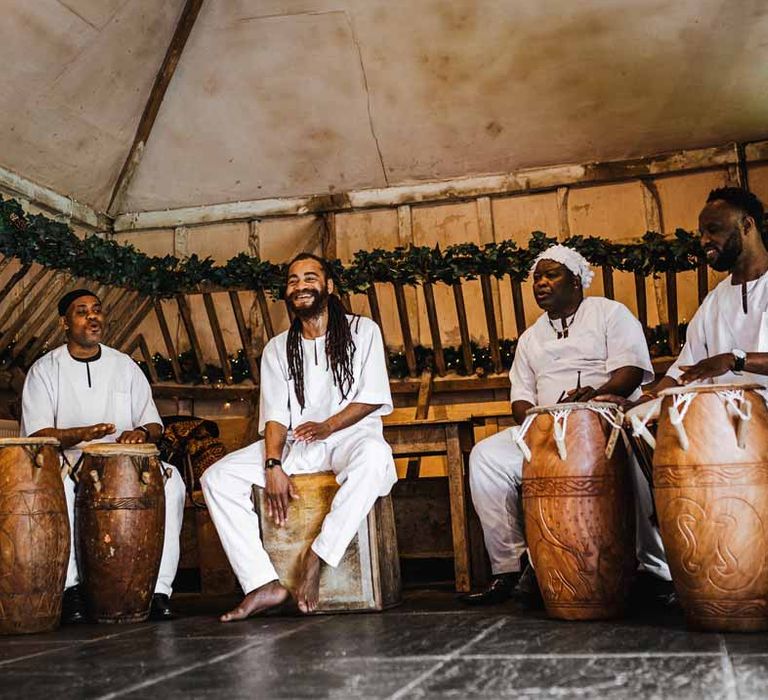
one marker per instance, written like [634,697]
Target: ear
[63,323]
[749,224]
[329,285]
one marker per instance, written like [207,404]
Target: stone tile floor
[430,647]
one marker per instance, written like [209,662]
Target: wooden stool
[368,576]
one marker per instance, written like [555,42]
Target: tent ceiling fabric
[288,97]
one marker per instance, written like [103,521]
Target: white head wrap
[574,261]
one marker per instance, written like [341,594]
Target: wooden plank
[165,331]
[117,319]
[373,305]
[490,320]
[245,335]
[4,262]
[518,305]
[35,304]
[218,337]
[261,298]
[642,302]
[405,327]
[346,302]
[186,319]
[521,182]
[702,281]
[434,328]
[141,343]
[461,314]
[608,282]
[162,81]
[135,321]
[673,320]
[422,411]
[12,308]
[16,277]
[458,499]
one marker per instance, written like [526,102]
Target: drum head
[575,406]
[650,409]
[708,388]
[111,449]
[30,441]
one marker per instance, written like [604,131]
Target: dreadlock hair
[339,345]
[744,201]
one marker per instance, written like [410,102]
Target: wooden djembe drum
[119,529]
[578,507]
[710,474]
[34,535]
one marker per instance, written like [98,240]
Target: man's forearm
[350,415]
[68,437]
[623,382]
[275,435]
[519,409]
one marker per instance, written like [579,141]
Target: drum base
[122,619]
[584,611]
[34,626]
[715,616]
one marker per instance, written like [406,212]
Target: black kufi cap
[69,297]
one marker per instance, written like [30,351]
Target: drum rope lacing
[611,414]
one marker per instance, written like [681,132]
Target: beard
[319,302]
[727,257]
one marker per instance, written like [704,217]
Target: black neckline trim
[97,356]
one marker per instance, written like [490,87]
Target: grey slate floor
[430,647]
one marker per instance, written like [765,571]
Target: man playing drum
[84,392]
[578,349]
[324,388]
[727,337]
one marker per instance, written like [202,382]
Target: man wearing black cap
[84,392]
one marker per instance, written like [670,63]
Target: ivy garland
[36,238]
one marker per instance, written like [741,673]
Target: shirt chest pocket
[121,410]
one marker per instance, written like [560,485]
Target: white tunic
[720,325]
[57,394]
[603,337]
[322,397]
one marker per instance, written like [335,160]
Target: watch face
[740,354]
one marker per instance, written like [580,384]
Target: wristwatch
[273,462]
[740,360]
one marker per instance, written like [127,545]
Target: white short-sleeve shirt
[322,397]
[720,325]
[63,392]
[603,337]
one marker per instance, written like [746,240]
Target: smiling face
[307,288]
[555,288]
[722,229]
[84,322]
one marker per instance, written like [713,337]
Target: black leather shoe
[161,608]
[499,590]
[73,607]
[650,591]
[528,590]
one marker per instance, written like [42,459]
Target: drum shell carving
[34,539]
[711,501]
[119,531]
[579,518]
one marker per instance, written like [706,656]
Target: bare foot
[308,590]
[258,600]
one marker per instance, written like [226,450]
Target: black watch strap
[273,462]
[739,364]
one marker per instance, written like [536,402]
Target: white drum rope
[677,411]
[640,422]
[560,419]
[740,407]
[520,437]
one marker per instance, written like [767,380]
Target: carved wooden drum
[710,472]
[579,512]
[119,529]
[34,535]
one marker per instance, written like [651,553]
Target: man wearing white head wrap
[579,348]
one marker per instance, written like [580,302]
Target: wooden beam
[16,277]
[151,109]
[261,298]
[434,328]
[702,281]
[245,336]
[517,182]
[140,343]
[405,327]
[490,320]
[218,337]
[21,188]
[461,315]
[135,321]
[518,305]
[608,290]
[672,316]
[165,331]
[186,319]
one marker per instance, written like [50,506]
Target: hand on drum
[279,490]
[132,437]
[621,401]
[585,393]
[97,431]
[707,368]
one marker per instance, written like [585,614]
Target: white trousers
[175,495]
[364,469]
[495,478]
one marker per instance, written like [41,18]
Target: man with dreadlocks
[324,388]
